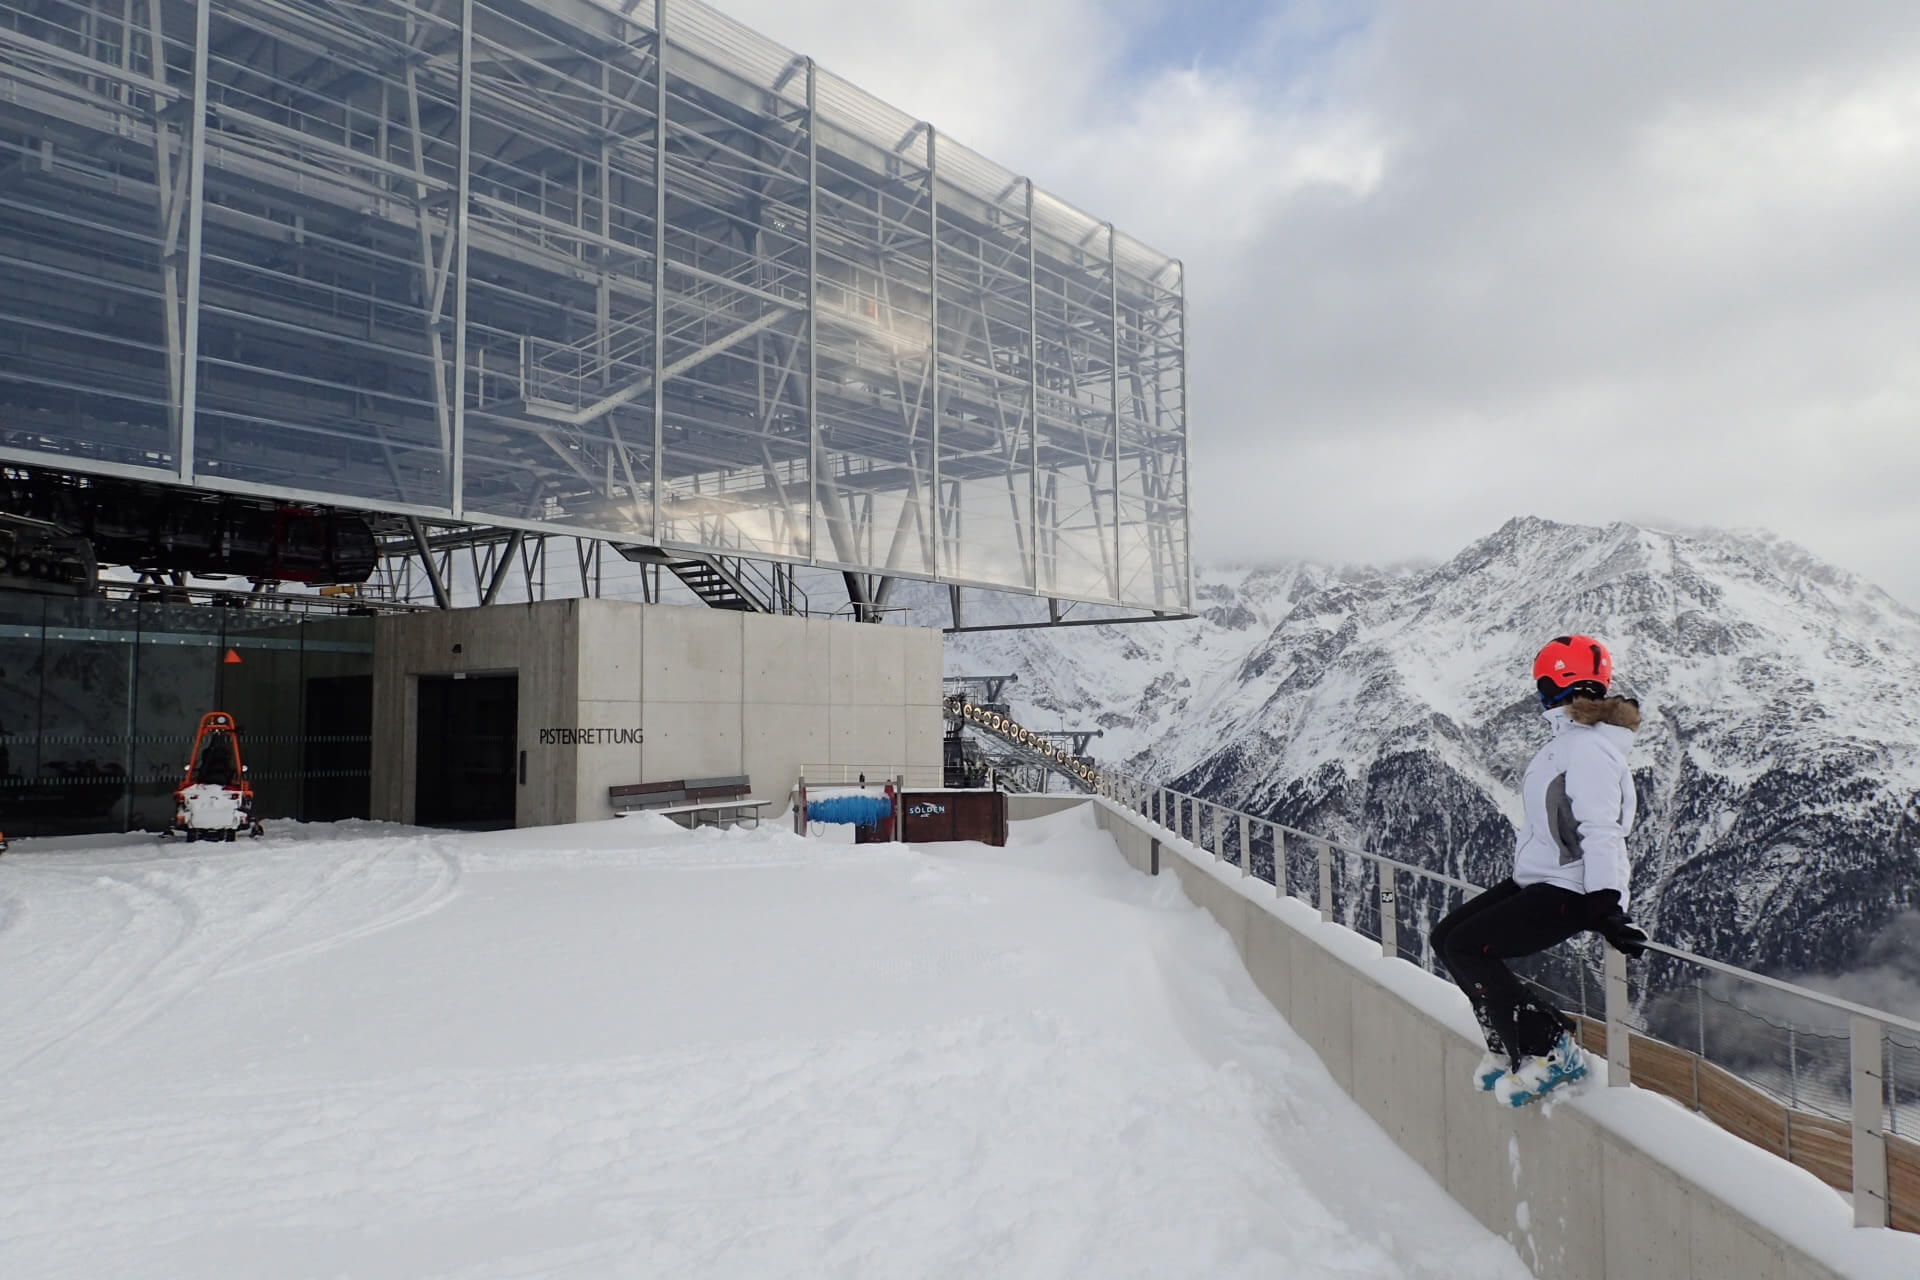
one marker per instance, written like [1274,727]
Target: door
[338,749]
[464,763]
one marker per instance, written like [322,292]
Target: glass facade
[99,700]
[529,264]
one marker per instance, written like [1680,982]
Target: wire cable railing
[1825,1082]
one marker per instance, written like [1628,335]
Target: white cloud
[1453,263]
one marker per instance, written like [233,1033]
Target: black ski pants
[1479,936]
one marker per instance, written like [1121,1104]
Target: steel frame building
[626,272]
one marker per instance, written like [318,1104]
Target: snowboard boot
[1537,1075]
[1492,1067]
[1493,1063]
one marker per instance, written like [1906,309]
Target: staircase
[721,584]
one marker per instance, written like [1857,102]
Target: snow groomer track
[623,1049]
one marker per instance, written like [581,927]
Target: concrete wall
[538,642]
[1579,1197]
[713,692]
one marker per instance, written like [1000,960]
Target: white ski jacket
[1579,798]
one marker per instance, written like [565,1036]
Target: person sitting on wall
[1570,874]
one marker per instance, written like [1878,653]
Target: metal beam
[607,404]
[504,567]
[434,579]
[1155,616]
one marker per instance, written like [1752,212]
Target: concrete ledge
[1616,1184]
[1022,807]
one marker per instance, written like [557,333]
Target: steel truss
[528,265]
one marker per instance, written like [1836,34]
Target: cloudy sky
[1452,263]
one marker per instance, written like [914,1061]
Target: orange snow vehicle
[215,800]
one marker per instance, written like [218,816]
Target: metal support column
[1033,394]
[1869,1119]
[1186,446]
[196,197]
[434,578]
[1113,372]
[813,316]
[1619,1036]
[500,571]
[463,183]
[933,345]
[1389,913]
[1326,881]
[659,260]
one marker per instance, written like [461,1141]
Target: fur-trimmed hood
[1624,712]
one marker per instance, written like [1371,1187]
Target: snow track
[622,1050]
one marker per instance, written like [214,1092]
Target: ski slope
[621,1049]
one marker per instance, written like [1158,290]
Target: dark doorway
[339,749]
[464,773]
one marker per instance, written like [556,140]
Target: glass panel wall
[559,417]
[432,267]
[1075,390]
[1153,452]
[736,443]
[94,148]
[99,701]
[326,293]
[874,312]
[986,350]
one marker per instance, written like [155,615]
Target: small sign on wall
[581,736]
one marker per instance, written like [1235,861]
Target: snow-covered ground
[618,1049]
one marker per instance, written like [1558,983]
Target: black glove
[1606,918]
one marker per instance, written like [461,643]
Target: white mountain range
[1778,764]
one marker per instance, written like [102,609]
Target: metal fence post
[1793,1068]
[1219,835]
[1326,881]
[1246,846]
[1389,915]
[1893,1094]
[1279,858]
[1869,1145]
[1619,1038]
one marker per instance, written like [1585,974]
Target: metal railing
[1674,997]
[928,777]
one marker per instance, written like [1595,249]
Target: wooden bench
[703,801]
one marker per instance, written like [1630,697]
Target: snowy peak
[1778,765]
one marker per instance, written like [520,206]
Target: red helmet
[1572,666]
